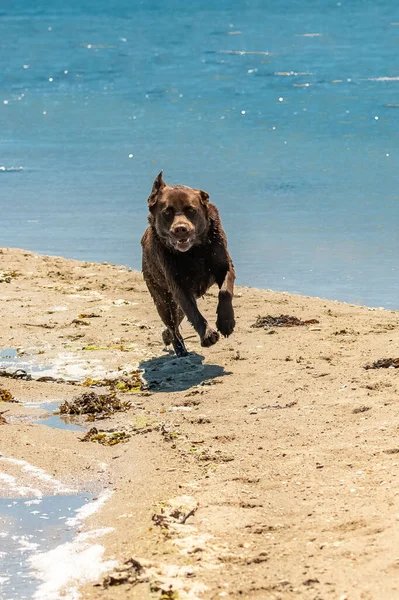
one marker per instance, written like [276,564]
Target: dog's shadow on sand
[172,374]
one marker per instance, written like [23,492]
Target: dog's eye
[166,213]
[191,211]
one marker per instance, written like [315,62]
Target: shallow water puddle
[8,354]
[28,526]
[11,360]
[65,366]
[55,421]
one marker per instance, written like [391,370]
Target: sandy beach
[265,466]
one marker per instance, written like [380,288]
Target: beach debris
[121,302]
[106,438]
[95,405]
[120,347]
[238,356]
[24,375]
[210,382]
[93,347]
[165,589]
[346,332]
[43,325]
[167,434]
[200,420]
[18,374]
[361,409]
[128,382]
[145,424]
[81,322]
[131,572]
[8,276]
[3,421]
[384,363]
[88,316]
[209,456]
[255,409]
[281,321]
[175,512]
[6,396]
[30,351]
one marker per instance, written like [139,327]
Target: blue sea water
[286,112]
[29,527]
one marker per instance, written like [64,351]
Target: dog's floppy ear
[204,197]
[158,185]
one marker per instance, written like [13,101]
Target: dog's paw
[211,337]
[225,322]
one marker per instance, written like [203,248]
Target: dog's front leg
[225,313]
[188,304]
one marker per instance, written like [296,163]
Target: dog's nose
[180,230]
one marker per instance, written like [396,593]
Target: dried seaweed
[217,457]
[106,438]
[90,403]
[6,396]
[131,572]
[361,409]
[145,424]
[22,374]
[281,321]
[255,409]
[18,374]
[94,347]
[127,383]
[175,511]
[384,363]
[7,276]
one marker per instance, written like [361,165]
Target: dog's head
[179,214]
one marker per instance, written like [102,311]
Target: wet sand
[263,467]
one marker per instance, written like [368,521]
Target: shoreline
[237,285]
[264,466]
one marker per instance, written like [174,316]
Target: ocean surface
[286,112]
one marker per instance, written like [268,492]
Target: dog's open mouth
[183,245]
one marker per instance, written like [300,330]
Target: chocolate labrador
[184,253]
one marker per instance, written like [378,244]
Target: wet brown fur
[184,253]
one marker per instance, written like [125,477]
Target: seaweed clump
[281,321]
[384,363]
[106,438]
[94,405]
